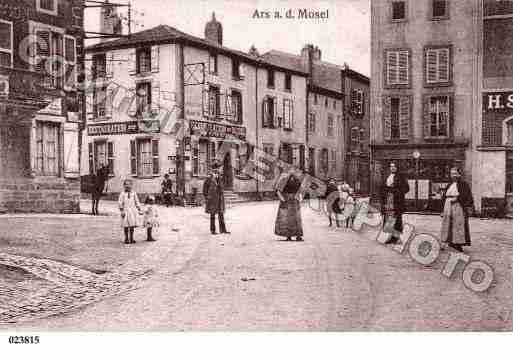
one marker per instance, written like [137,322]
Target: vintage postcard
[271,165]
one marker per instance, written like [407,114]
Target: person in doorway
[151,218]
[288,220]
[167,190]
[129,208]
[213,192]
[458,207]
[393,192]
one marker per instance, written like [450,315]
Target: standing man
[167,190]
[213,192]
[393,191]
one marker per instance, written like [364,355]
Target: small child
[350,207]
[151,218]
[129,208]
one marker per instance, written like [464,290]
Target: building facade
[41,44]
[424,91]
[166,102]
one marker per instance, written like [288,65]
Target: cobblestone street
[337,279]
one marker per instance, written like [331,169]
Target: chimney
[307,58]
[214,30]
[110,21]
[316,54]
[253,51]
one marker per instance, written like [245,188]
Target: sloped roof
[166,33]
[325,75]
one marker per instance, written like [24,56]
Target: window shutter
[387,118]
[110,157]
[450,120]
[91,157]
[111,92]
[404,118]
[241,70]
[133,157]
[443,65]
[275,101]
[89,100]
[155,58]
[431,65]
[132,110]
[426,107]
[70,142]
[155,154]
[265,115]
[291,110]
[132,62]
[362,102]
[403,68]
[109,65]
[42,49]
[392,65]
[229,110]
[155,97]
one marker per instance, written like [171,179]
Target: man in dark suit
[213,191]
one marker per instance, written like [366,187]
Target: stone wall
[54,195]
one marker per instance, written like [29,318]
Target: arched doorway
[228,171]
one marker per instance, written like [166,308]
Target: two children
[130,208]
[346,205]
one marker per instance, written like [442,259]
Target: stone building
[40,57]
[164,101]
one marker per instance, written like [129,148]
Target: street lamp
[416,156]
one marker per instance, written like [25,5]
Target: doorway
[228,171]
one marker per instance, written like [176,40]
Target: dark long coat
[399,188]
[466,200]
[213,191]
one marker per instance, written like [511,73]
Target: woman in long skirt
[393,193]
[288,221]
[129,208]
[458,206]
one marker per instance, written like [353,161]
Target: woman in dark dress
[393,191]
[331,199]
[458,206]
[288,221]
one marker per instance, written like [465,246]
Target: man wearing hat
[213,192]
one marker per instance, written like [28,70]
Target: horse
[98,180]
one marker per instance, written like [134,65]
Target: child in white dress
[151,218]
[129,208]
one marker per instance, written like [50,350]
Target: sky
[343,38]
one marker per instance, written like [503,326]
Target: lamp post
[416,156]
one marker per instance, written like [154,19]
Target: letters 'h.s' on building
[442,95]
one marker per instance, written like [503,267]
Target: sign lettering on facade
[498,101]
[119,128]
[210,129]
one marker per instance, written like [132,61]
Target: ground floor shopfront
[426,167]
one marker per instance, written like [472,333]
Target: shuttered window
[288,114]
[440,9]
[396,118]
[331,125]
[397,67]
[47,148]
[311,123]
[6,46]
[437,116]
[269,109]
[70,58]
[357,101]
[438,65]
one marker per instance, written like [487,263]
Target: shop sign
[119,128]
[209,129]
[498,101]
[193,111]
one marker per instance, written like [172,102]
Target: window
[144,157]
[214,104]
[311,123]
[200,158]
[357,101]
[324,160]
[355,135]
[47,6]
[143,99]
[70,62]
[288,114]
[101,153]
[398,10]
[236,106]
[333,161]
[334,104]
[315,99]
[47,149]
[99,101]
[270,78]
[6,39]
[311,161]
[288,82]
[99,66]
[437,65]
[212,64]
[49,44]
[236,69]
[439,9]
[397,117]
[286,152]
[438,113]
[269,151]
[331,125]
[269,112]
[326,102]
[397,70]
[143,60]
